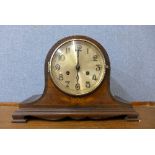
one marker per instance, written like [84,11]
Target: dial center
[77,67]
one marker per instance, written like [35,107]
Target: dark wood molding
[134,104]
[146,115]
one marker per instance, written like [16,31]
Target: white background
[115,12]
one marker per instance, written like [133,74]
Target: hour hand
[77,65]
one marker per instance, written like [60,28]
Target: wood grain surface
[146,112]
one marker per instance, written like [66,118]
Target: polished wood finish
[53,104]
[145,109]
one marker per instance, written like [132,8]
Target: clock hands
[77,86]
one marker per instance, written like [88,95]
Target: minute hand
[78,65]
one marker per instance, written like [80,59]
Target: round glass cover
[77,67]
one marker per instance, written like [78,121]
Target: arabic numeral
[61,57]
[67,50]
[67,83]
[94,77]
[87,84]
[95,57]
[77,86]
[60,77]
[78,48]
[98,67]
[57,67]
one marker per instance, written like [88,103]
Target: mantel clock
[77,85]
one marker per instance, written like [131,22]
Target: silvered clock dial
[77,67]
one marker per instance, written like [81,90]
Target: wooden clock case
[54,104]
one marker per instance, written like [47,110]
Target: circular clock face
[77,67]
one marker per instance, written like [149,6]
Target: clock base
[24,114]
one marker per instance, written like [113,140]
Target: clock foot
[18,118]
[132,118]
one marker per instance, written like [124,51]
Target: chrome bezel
[58,85]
